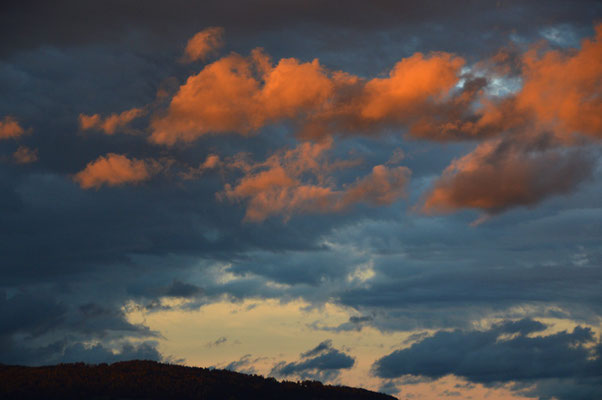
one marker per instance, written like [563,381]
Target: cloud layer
[274,187]
[505,352]
[436,97]
[243,94]
[306,189]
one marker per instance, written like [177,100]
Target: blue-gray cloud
[507,352]
[244,364]
[323,362]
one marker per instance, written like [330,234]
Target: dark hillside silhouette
[153,380]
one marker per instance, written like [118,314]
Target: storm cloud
[509,351]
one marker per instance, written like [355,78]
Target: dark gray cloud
[304,23]
[29,312]
[181,289]
[37,314]
[488,357]
[323,362]
[322,347]
[69,349]
[38,327]
[301,267]
[433,272]
[481,287]
[389,387]
[355,323]
[244,364]
[99,354]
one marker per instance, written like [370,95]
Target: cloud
[383,186]
[322,362]
[422,93]
[204,43]
[238,94]
[355,323]
[108,23]
[10,128]
[244,364]
[212,161]
[429,95]
[110,124]
[560,93]
[114,170]
[430,273]
[25,155]
[486,356]
[562,88]
[182,289]
[33,313]
[97,319]
[96,354]
[70,352]
[507,352]
[276,186]
[242,94]
[39,314]
[500,174]
[416,87]
[32,320]
[320,348]
[221,340]
[439,274]
[529,160]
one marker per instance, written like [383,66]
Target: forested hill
[153,380]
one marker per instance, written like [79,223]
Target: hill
[153,380]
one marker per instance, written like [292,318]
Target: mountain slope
[152,380]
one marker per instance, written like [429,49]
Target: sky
[401,196]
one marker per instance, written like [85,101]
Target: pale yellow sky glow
[265,332]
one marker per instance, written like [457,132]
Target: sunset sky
[404,196]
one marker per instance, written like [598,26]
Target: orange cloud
[383,186]
[10,128]
[560,100]
[416,86]
[412,82]
[242,94]
[203,44]
[501,174]
[114,170]
[561,93]
[280,185]
[429,96]
[564,88]
[25,155]
[110,124]
[238,94]
[457,120]
[218,99]
[211,162]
